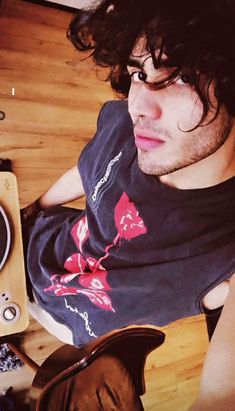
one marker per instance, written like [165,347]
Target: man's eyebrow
[132,62]
[135,63]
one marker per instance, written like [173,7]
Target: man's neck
[213,170]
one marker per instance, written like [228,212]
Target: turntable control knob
[9,313]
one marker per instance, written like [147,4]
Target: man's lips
[147,143]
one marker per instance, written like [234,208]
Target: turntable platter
[5,237]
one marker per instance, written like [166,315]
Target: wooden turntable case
[13,295]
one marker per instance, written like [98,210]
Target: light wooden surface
[50,116]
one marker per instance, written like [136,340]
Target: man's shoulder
[116,106]
[115,111]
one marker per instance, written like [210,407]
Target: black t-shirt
[141,252]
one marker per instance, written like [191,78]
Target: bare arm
[217,388]
[67,188]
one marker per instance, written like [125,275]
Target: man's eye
[182,80]
[138,76]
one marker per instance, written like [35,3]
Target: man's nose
[144,102]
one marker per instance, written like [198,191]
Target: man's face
[162,118]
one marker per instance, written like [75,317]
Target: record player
[13,295]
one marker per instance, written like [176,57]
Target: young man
[156,241]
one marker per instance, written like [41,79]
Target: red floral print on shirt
[91,275]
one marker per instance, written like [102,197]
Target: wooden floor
[51,100]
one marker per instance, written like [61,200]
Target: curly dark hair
[197,36]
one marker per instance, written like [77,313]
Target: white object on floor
[60,331]
[77,4]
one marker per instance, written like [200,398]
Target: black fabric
[141,253]
[5,164]
[212,318]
